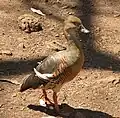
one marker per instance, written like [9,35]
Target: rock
[14,95]
[3,33]
[21,45]
[6,52]
[65,7]
[1,89]
[29,23]
[118,41]
[97,29]
[11,107]
[51,29]
[1,105]
[57,35]
[22,108]
[117,15]
[116,81]
[70,13]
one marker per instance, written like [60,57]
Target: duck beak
[84,30]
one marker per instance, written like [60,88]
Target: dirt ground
[95,92]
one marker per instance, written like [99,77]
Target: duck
[61,67]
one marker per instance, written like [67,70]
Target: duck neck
[74,43]
[74,40]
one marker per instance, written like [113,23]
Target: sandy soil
[95,92]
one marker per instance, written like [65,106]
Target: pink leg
[46,98]
[55,101]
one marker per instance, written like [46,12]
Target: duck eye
[76,24]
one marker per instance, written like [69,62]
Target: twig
[37,11]
[10,81]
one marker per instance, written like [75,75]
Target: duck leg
[56,102]
[46,98]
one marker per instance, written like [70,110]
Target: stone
[29,23]
[21,45]
[6,52]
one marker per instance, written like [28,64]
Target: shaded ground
[95,92]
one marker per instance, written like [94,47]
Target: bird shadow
[17,67]
[67,111]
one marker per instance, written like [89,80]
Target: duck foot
[44,104]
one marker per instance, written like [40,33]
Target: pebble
[65,7]
[70,13]
[21,45]
[14,95]
[56,35]
[22,108]
[117,15]
[11,107]
[98,29]
[51,107]
[1,89]
[51,29]
[3,33]
[118,41]
[1,105]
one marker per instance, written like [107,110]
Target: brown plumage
[64,65]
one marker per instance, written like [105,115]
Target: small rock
[21,45]
[117,15]
[56,35]
[14,95]
[118,41]
[1,105]
[1,89]
[58,1]
[29,23]
[11,107]
[116,81]
[6,52]
[3,33]
[51,107]
[70,13]
[65,7]
[22,108]
[51,29]
[97,29]
[61,33]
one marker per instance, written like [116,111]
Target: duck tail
[31,81]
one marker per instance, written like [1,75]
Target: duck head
[74,22]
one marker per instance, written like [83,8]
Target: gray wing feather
[49,65]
